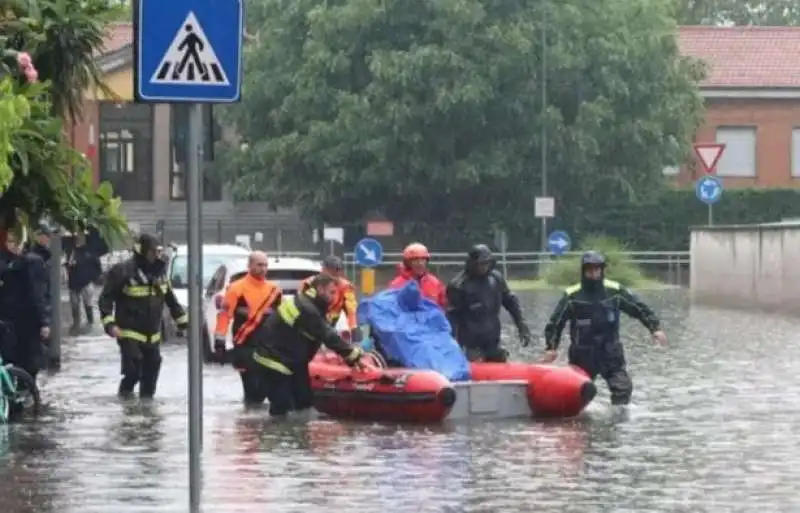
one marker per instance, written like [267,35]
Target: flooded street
[713,428]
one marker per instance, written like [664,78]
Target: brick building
[752,95]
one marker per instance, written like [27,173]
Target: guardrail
[673,263]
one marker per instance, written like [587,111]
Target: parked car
[286,272]
[214,255]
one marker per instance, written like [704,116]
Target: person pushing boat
[593,308]
[474,298]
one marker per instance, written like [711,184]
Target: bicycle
[18,392]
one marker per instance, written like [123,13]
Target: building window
[739,157]
[126,149]
[796,153]
[212,185]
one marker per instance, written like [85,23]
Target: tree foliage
[738,12]
[41,175]
[423,110]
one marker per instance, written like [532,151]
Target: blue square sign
[188,51]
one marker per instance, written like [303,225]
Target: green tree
[428,110]
[43,176]
[738,12]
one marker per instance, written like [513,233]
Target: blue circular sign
[368,253]
[559,242]
[709,189]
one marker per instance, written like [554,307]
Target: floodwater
[713,429]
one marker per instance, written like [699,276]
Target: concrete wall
[749,266]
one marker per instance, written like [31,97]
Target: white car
[214,255]
[287,272]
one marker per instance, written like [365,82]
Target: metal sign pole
[194,179]
[710,215]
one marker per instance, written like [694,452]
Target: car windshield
[179,275]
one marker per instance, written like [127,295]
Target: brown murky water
[713,429]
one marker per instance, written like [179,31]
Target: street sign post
[709,190]
[709,155]
[559,242]
[190,51]
[368,254]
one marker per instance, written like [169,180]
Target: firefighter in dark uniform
[593,308]
[284,344]
[474,299]
[131,307]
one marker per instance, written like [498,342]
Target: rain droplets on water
[713,429]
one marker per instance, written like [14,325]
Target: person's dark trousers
[286,392]
[141,363]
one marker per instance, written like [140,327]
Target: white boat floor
[490,400]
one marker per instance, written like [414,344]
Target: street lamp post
[544,120]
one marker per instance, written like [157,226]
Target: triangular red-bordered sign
[709,155]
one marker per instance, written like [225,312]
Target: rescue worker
[415,267]
[24,306]
[345,301]
[593,308]
[246,301]
[474,299]
[131,306]
[285,343]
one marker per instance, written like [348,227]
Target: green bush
[566,271]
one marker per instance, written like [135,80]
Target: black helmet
[592,258]
[146,242]
[480,254]
[333,263]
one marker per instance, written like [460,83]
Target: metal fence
[670,266]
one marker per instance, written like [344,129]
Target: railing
[672,264]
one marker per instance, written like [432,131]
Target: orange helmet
[415,251]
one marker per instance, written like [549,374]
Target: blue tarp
[414,331]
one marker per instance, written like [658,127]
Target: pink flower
[31,74]
[24,60]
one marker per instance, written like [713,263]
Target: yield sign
[709,155]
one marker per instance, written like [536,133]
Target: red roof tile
[745,57]
[119,35]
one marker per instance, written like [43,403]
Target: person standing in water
[474,298]
[593,308]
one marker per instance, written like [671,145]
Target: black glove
[525,336]
[219,349]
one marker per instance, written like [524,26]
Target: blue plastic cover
[414,331]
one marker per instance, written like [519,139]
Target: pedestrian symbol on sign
[190,59]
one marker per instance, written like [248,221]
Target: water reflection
[712,429]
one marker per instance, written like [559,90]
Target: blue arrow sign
[559,242]
[368,253]
[709,189]
[188,50]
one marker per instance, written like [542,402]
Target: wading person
[83,268]
[131,306]
[474,299]
[285,343]
[246,302]
[592,308]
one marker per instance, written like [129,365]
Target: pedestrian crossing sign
[188,50]
[190,58]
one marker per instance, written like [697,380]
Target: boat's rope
[377,359]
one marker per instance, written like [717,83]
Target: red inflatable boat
[406,395]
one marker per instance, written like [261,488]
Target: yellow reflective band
[137,291]
[108,319]
[288,311]
[164,287]
[183,319]
[611,284]
[140,337]
[573,289]
[271,364]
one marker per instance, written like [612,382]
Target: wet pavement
[713,429]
